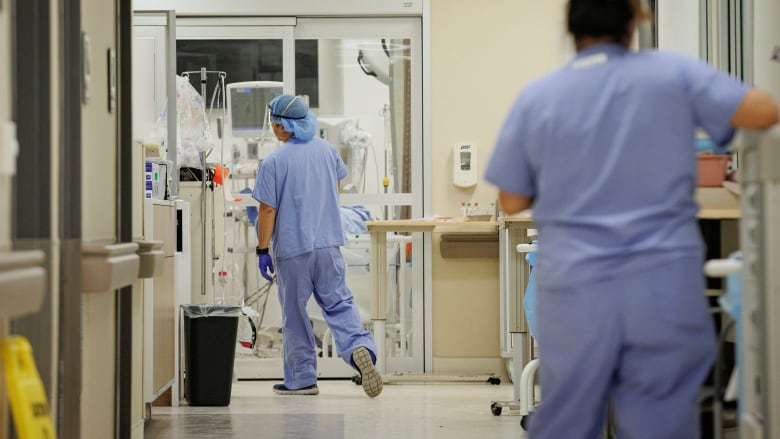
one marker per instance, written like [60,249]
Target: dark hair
[601,18]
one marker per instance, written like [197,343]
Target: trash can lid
[211,310]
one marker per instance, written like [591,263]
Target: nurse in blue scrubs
[297,187]
[603,149]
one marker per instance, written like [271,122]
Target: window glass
[307,71]
[365,112]
[248,60]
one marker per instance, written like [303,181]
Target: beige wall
[482,54]
[98,216]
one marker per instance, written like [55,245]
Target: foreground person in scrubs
[297,187]
[603,149]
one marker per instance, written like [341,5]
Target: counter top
[439,226]
[718,203]
[715,204]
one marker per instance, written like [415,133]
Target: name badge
[590,61]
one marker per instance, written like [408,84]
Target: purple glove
[266,265]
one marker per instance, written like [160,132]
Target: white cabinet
[206,237]
[160,303]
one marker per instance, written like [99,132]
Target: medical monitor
[247,103]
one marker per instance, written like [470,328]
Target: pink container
[711,169]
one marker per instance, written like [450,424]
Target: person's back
[624,160]
[310,171]
[603,150]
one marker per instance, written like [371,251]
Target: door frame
[290,29]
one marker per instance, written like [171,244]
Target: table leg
[518,362]
[379,338]
[378,267]
[403,297]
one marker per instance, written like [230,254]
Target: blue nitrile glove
[266,266]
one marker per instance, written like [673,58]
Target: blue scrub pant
[643,340]
[320,272]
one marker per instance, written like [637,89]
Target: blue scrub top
[606,147]
[300,180]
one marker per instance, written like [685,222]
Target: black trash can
[209,352]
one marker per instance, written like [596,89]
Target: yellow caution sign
[29,405]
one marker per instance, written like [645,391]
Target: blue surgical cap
[294,115]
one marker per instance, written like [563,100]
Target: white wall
[766,35]
[678,26]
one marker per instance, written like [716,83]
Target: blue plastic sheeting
[353,220]
[251,211]
[529,300]
[731,302]
[707,145]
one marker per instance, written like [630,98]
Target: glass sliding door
[368,102]
[362,78]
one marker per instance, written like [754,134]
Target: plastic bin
[209,353]
[711,169]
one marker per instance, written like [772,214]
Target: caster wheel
[495,409]
[494,381]
[358,380]
[525,422]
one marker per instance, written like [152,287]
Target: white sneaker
[372,380]
[281,389]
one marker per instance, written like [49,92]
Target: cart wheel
[495,409]
[494,381]
[525,421]
[357,379]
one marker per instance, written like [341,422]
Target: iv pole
[203,155]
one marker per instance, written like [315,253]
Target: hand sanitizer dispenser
[464,158]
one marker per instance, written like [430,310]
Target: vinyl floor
[342,410]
